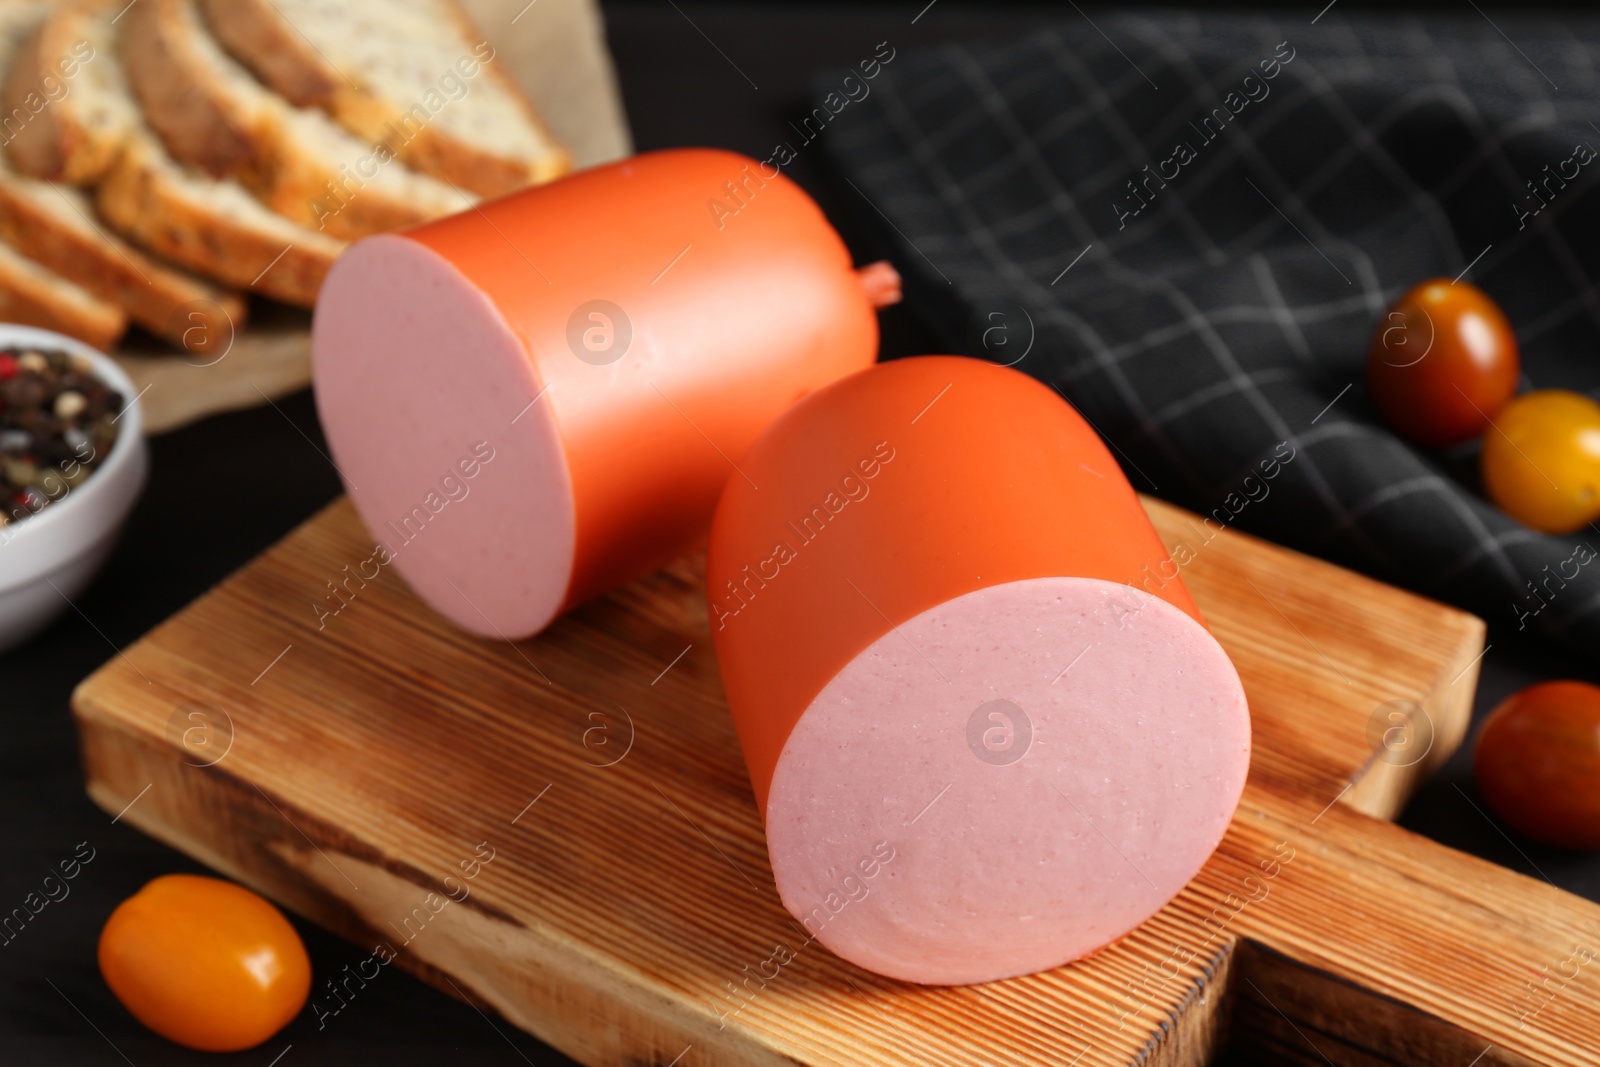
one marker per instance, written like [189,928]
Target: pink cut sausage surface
[491,552]
[541,398]
[988,728]
[1133,763]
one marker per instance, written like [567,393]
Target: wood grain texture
[349,770]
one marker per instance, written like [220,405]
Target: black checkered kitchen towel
[1191,225]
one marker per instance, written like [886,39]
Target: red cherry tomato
[205,963]
[1442,363]
[1538,763]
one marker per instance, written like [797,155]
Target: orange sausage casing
[1064,509]
[950,636]
[539,398]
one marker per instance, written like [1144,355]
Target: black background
[226,488]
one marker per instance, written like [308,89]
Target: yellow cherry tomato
[205,963]
[1541,461]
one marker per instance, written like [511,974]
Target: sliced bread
[55,226]
[36,296]
[210,226]
[213,227]
[69,114]
[413,74]
[213,113]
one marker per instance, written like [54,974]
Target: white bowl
[47,559]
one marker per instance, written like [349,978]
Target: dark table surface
[224,489]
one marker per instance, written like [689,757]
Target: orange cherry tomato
[1442,363]
[1538,763]
[205,963]
[1541,462]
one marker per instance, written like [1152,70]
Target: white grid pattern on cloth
[997,260]
[1208,327]
[1553,240]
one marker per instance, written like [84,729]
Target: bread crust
[54,303]
[146,206]
[258,35]
[55,141]
[188,112]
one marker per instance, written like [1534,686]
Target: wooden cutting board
[561,830]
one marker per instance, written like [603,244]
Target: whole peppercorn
[55,427]
[70,404]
